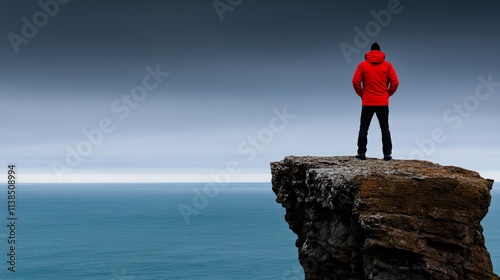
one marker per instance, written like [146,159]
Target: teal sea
[137,231]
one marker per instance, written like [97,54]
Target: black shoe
[387,157]
[361,157]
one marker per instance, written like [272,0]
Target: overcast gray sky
[85,93]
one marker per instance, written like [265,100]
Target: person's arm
[393,80]
[357,81]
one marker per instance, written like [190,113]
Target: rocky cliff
[374,219]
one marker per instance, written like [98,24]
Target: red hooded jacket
[375,80]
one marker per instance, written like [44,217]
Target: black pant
[383,119]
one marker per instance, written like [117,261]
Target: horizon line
[50,178]
[116,177]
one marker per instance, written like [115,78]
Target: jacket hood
[375,57]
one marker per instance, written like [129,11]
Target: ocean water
[136,231]
[491,228]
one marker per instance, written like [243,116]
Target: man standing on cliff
[375,80]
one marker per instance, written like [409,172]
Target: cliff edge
[375,219]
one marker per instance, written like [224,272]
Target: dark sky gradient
[226,77]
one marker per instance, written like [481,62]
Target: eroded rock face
[374,219]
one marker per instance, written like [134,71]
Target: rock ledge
[374,219]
